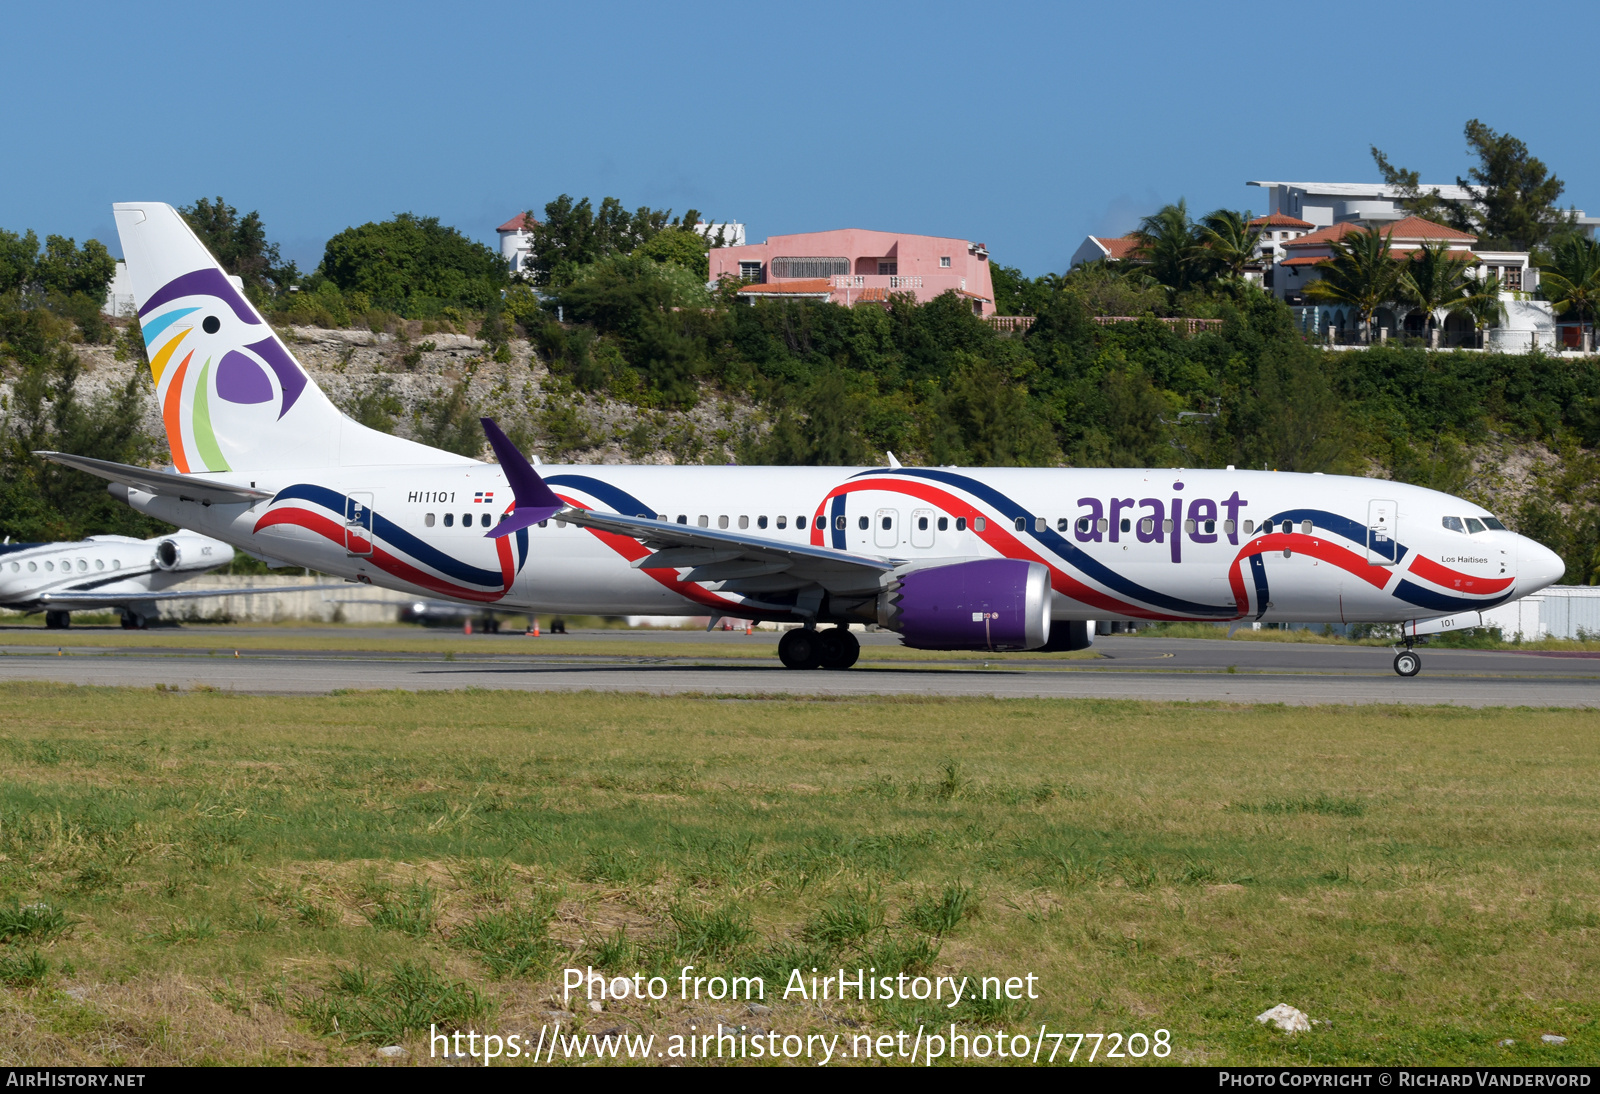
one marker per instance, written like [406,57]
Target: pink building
[852,266]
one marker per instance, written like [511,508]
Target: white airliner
[130,575]
[951,558]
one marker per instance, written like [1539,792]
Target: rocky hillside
[419,385]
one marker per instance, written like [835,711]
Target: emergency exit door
[1382,533]
[358,525]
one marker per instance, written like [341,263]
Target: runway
[1127,668]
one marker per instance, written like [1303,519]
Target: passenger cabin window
[99,564]
[484,521]
[961,524]
[944,524]
[466,520]
[886,523]
[32,567]
[1127,524]
[1022,524]
[1249,527]
[761,522]
[427,520]
[744,521]
[116,564]
[799,522]
[1227,526]
[838,523]
[783,522]
[922,524]
[683,518]
[705,521]
[979,524]
[1305,527]
[1105,525]
[862,523]
[1474,525]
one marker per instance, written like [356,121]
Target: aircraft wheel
[840,649]
[58,621]
[1407,663]
[800,649]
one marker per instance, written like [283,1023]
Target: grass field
[195,876]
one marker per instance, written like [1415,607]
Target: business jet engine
[985,604]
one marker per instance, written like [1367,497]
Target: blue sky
[1025,126]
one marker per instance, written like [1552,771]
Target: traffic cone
[534,630]
[747,625]
[467,627]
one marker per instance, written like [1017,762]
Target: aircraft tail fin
[232,396]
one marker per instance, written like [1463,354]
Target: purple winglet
[535,500]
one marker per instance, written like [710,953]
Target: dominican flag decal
[485,496]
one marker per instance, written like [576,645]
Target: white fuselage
[1154,544]
[118,568]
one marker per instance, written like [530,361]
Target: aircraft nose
[1537,566]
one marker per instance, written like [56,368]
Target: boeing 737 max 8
[951,558]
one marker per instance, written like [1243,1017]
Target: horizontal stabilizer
[163,483]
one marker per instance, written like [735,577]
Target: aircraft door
[1383,521]
[886,528]
[922,527]
[358,525]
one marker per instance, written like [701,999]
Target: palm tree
[1230,239]
[1170,246]
[1362,274]
[1434,280]
[1482,302]
[1572,282]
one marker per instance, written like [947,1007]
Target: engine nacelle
[986,604]
[177,553]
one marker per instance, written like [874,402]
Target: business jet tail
[232,396]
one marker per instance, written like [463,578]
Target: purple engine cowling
[987,604]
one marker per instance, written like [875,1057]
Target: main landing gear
[1407,663]
[805,648]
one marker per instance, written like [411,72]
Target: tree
[678,246]
[1434,281]
[1514,195]
[1231,241]
[1481,300]
[1512,202]
[414,265]
[1409,194]
[574,234]
[240,245]
[1362,274]
[1571,282]
[1169,244]
[19,260]
[66,269]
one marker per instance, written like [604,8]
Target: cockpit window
[1453,524]
[1494,522]
[1474,525]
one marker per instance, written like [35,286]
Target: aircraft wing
[748,564]
[165,483]
[68,599]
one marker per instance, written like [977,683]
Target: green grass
[237,879]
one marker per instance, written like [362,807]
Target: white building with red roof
[1300,261]
[1103,248]
[516,242]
